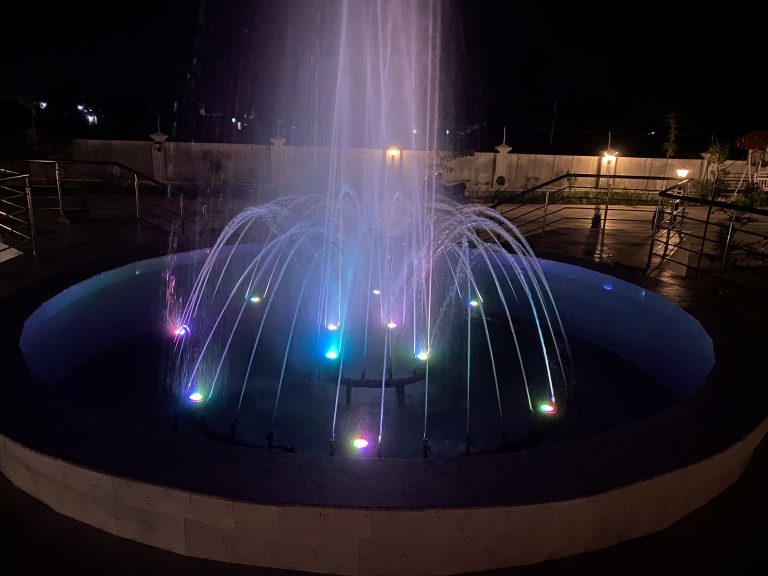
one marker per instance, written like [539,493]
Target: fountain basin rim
[566,470]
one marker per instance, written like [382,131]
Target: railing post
[727,243]
[62,217]
[681,219]
[607,201]
[181,211]
[654,228]
[546,205]
[31,214]
[136,190]
[703,239]
[669,232]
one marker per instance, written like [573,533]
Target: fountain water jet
[378,281]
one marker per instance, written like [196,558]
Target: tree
[718,154]
[670,146]
[714,186]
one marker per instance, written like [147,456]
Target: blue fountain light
[332,354]
[423,355]
[196,397]
[182,330]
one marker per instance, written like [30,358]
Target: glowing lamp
[391,325]
[331,354]
[332,327]
[182,330]
[608,286]
[196,397]
[609,156]
[474,303]
[255,299]
[547,408]
[377,292]
[682,172]
[393,152]
[423,355]
[360,443]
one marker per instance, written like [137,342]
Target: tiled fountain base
[368,540]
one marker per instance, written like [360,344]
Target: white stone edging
[370,541]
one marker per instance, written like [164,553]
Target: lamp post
[393,158]
[682,173]
[610,159]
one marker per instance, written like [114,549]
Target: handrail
[188,208]
[713,203]
[103,163]
[701,245]
[16,177]
[24,205]
[580,175]
[10,171]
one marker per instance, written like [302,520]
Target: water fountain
[373,317]
[376,284]
[357,301]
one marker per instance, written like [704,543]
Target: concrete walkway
[725,536]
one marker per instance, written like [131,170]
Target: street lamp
[609,155]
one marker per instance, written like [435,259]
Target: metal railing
[68,186]
[684,234]
[593,197]
[17,219]
[726,241]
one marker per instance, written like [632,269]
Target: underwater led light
[196,397]
[423,355]
[332,327]
[474,303]
[331,354]
[547,408]
[255,299]
[607,286]
[360,443]
[391,325]
[181,330]
[377,292]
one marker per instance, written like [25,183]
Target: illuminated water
[375,286]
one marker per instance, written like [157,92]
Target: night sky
[613,68]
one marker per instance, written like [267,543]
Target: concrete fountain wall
[369,541]
[436,533]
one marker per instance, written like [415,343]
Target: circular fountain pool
[98,348]
[105,343]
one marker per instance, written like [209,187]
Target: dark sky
[609,67]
